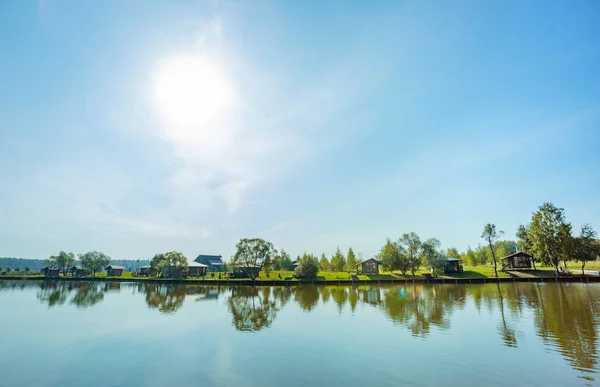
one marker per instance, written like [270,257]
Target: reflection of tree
[420,307]
[88,294]
[507,333]
[565,315]
[339,295]
[283,295]
[353,298]
[307,296]
[53,293]
[251,310]
[166,298]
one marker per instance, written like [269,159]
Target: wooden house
[369,266]
[77,271]
[453,265]
[50,271]
[114,270]
[196,269]
[145,270]
[520,260]
[213,262]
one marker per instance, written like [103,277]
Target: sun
[191,93]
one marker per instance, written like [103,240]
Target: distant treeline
[37,264]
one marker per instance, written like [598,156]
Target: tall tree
[433,256]
[324,263]
[338,261]
[586,247]
[452,252]
[308,267]
[253,252]
[548,234]
[491,236]
[470,257]
[94,261]
[393,257]
[172,263]
[351,260]
[413,247]
[524,243]
[63,261]
[286,261]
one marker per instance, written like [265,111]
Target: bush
[308,267]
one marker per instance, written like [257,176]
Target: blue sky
[135,127]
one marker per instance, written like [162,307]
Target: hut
[114,270]
[196,269]
[77,271]
[145,270]
[453,265]
[294,265]
[214,262]
[50,271]
[369,266]
[519,260]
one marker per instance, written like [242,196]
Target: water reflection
[565,316]
[252,308]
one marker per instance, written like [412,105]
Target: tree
[482,255]
[413,248]
[17,269]
[338,261]
[27,269]
[470,258]
[172,263]
[351,259]
[324,263]
[308,267]
[254,252]
[93,261]
[0,269]
[286,261]
[8,270]
[63,261]
[491,236]
[586,246]
[452,252]
[524,243]
[549,234]
[433,256]
[504,248]
[393,257]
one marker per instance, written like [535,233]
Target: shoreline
[247,282]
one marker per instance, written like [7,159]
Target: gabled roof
[145,267]
[368,260]
[76,268]
[114,267]
[450,259]
[49,268]
[196,264]
[214,260]
[518,254]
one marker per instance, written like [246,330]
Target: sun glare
[191,94]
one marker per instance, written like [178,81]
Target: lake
[114,334]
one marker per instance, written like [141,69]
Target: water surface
[114,334]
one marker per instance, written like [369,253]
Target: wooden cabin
[453,265]
[369,266]
[77,271]
[196,269]
[214,262]
[50,271]
[114,270]
[145,270]
[516,261]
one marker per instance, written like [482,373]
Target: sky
[137,127]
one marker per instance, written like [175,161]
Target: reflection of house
[370,266]
[114,270]
[245,271]
[77,271]
[145,270]
[196,269]
[518,260]
[214,262]
[371,296]
[50,271]
[112,286]
[453,265]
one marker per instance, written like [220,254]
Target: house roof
[76,267]
[214,260]
[115,267]
[49,268]
[196,264]
[368,260]
[450,259]
[518,254]
[145,267]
